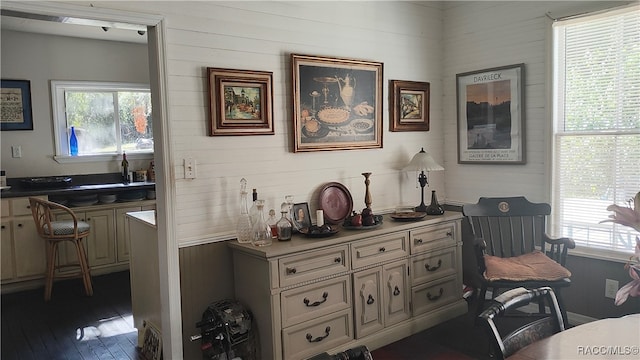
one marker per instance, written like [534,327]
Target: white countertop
[147,217]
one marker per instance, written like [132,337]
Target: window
[108,118]
[596,156]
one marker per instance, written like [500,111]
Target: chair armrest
[480,247]
[567,242]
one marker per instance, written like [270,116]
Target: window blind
[596,155]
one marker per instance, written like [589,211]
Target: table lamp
[422,162]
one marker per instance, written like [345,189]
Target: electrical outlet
[16,151]
[610,288]
[189,168]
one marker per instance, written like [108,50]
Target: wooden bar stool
[55,232]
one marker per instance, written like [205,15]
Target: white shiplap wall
[481,35]
[405,37]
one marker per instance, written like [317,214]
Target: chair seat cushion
[531,266]
[66,227]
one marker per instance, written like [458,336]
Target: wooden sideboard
[358,287]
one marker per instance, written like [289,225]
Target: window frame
[557,110]
[58,109]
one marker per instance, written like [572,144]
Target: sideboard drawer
[313,337]
[430,296]
[312,301]
[433,265]
[433,237]
[313,265]
[379,249]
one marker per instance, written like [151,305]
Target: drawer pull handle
[291,271]
[429,268]
[396,291]
[436,297]
[370,300]
[338,260]
[418,241]
[319,338]
[325,295]
[449,233]
[382,249]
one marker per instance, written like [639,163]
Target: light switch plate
[189,168]
[610,288]
[16,151]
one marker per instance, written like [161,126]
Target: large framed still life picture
[337,103]
[491,116]
[240,102]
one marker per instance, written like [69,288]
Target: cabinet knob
[449,233]
[418,241]
[2,227]
[19,225]
[382,249]
[291,270]
[338,260]
[370,300]
[396,291]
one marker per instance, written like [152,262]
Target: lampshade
[422,161]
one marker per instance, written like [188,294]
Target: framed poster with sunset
[490,106]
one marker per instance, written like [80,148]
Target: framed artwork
[491,116]
[15,105]
[301,215]
[337,103]
[240,102]
[408,105]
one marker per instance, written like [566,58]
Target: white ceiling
[92,30]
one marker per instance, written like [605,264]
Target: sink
[48,182]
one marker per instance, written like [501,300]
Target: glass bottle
[289,200]
[253,211]
[272,221]
[284,225]
[434,208]
[73,143]
[243,227]
[125,169]
[261,231]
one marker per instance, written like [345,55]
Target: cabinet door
[396,292]
[29,248]
[123,243]
[6,251]
[101,242]
[5,210]
[368,301]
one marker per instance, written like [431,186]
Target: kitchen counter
[80,184]
[147,217]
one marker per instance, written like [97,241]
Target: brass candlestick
[367,194]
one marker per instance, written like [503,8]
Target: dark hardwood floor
[74,326]
[71,325]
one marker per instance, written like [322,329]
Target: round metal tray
[336,202]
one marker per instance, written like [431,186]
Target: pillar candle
[319,217]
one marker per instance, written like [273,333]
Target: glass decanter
[289,201]
[243,227]
[261,231]
[284,225]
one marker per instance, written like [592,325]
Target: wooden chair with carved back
[513,249]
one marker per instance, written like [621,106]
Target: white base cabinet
[24,252]
[369,287]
